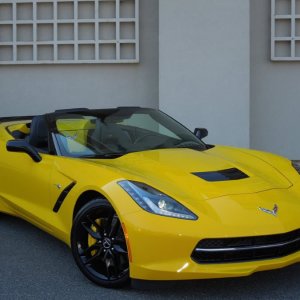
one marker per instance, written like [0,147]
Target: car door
[25,186]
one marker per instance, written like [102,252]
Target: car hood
[172,171]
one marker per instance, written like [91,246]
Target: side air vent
[222,175]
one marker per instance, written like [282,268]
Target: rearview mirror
[23,146]
[201,133]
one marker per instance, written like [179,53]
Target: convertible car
[136,195]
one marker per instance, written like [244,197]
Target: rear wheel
[99,246]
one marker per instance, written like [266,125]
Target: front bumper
[162,247]
[190,270]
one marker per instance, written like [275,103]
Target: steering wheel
[143,137]
[97,147]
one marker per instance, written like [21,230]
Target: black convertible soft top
[68,111]
[18,118]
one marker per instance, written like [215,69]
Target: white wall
[204,66]
[275,91]
[38,89]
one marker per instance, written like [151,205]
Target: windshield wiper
[103,156]
[190,145]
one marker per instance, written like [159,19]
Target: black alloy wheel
[99,246]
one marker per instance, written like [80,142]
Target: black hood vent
[222,175]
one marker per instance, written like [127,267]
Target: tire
[99,246]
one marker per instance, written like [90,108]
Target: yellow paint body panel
[161,246]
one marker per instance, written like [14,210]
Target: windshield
[112,133]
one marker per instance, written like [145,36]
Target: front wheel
[99,246]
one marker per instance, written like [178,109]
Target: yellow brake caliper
[91,240]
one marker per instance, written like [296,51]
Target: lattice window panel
[69,32]
[285,30]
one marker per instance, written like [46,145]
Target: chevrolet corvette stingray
[136,195]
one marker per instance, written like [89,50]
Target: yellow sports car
[137,195]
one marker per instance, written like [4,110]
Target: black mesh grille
[222,175]
[247,248]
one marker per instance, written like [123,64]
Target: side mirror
[23,146]
[201,133]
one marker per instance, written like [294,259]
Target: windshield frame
[106,113]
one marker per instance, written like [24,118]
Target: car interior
[77,134]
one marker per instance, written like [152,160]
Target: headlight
[296,165]
[156,202]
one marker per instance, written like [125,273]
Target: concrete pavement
[34,265]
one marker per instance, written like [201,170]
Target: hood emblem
[272,212]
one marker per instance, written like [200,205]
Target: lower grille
[247,248]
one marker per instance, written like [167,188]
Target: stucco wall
[38,89]
[275,91]
[204,66]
